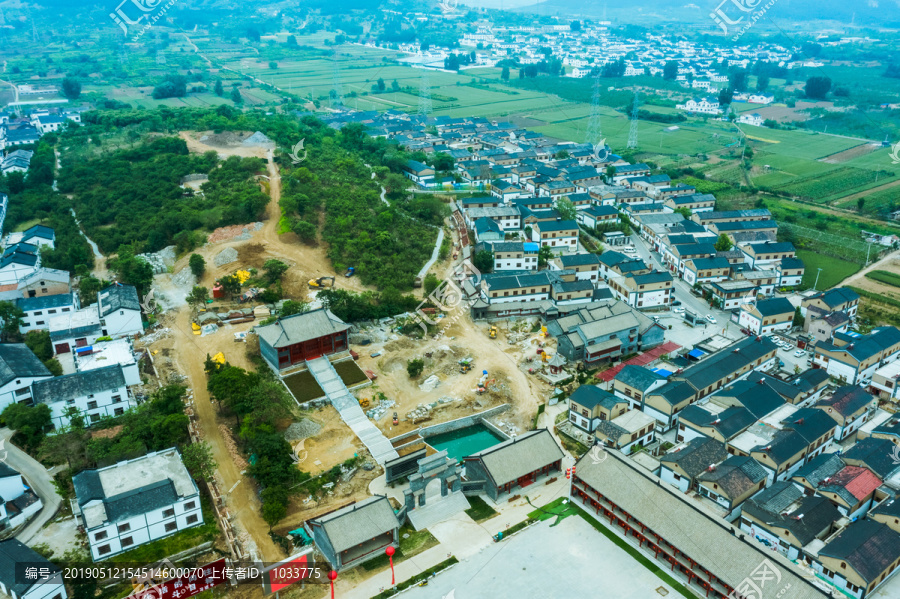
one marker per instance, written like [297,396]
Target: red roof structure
[643,359]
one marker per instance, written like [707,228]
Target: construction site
[501,370]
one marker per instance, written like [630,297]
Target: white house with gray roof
[17,502]
[39,309]
[12,552]
[134,502]
[95,394]
[19,369]
[356,533]
[514,464]
[120,310]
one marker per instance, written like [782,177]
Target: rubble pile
[430,383]
[160,261]
[381,409]
[239,460]
[422,412]
[226,256]
[301,430]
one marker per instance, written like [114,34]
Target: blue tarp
[696,353]
[81,350]
[662,372]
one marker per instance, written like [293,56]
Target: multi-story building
[95,394]
[134,502]
[766,316]
[856,358]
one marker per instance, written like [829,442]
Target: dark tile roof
[651,278]
[736,475]
[44,302]
[569,260]
[118,297]
[697,456]
[140,501]
[637,377]
[875,454]
[727,361]
[823,466]
[811,423]
[783,506]
[774,306]
[557,225]
[784,445]
[591,395]
[79,384]
[17,361]
[837,296]
[357,523]
[510,460]
[14,552]
[675,392]
[728,423]
[301,327]
[888,507]
[867,546]
[847,400]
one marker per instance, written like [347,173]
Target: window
[38,323]
[190,505]
[121,312]
[92,405]
[116,398]
[66,309]
[95,418]
[192,518]
[23,391]
[38,313]
[119,411]
[124,528]
[100,535]
[51,311]
[103,549]
[70,402]
[171,526]
[127,541]
[168,513]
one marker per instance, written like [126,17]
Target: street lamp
[816,284]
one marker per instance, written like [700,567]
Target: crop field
[833,270]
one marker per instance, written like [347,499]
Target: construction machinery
[396,419]
[320,282]
[465,365]
[493,332]
[364,403]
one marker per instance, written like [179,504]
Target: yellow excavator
[493,332]
[320,282]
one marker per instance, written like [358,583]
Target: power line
[594,132]
[337,98]
[424,94]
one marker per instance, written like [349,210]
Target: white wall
[120,323]
[526,262]
[145,527]
[8,391]
[37,319]
[668,476]
[106,405]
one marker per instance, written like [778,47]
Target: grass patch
[555,509]
[875,297]
[480,510]
[417,542]
[303,386]
[350,373]
[833,270]
[571,445]
[883,276]
[417,578]
[638,556]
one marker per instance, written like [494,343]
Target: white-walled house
[134,502]
[39,309]
[12,552]
[19,369]
[106,353]
[701,106]
[18,503]
[96,393]
[754,119]
[120,311]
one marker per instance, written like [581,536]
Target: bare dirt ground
[890,263]
[848,155]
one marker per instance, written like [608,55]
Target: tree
[528,232]
[305,230]
[230,284]
[197,265]
[274,269]
[236,96]
[292,40]
[685,212]
[199,461]
[28,421]
[817,87]
[71,88]
[723,243]
[431,282]
[198,295]
[38,341]
[726,95]
[395,87]
[860,203]
[798,318]
[132,270]
[414,367]
[291,307]
[483,261]
[762,83]
[12,316]
[670,71]
[566,209]
[381,85]
[273,64]
[274,507]
[219,89]
[504,74]
[562,155]
[575,25]
[545,254]
[738,80]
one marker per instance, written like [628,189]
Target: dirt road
[242,501]
[879,265]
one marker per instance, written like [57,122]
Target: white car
[799,353]
[710,319]
[678,310]
[628,250]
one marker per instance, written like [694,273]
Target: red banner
[194,582]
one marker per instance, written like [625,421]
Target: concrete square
[569,560]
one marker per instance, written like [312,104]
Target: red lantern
[389,550]
[332,576]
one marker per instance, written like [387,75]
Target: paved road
[37,478]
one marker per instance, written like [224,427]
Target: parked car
[799,353]
[628,250]
[710,319]
[676,303]
[678,310]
